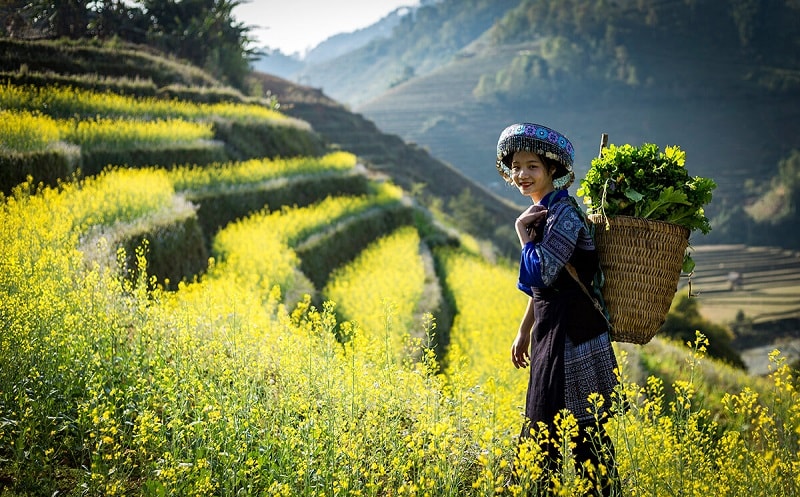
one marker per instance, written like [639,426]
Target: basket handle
[572,272]
[603,143]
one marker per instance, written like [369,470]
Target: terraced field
[767,295]
[769,288]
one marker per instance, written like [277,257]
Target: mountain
[720,79]
[294,66]
[343,43]
[429,36]
[277,63]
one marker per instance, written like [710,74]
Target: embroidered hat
[540,140]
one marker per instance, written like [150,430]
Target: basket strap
[572,272]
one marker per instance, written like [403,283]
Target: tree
[203,32]
[118,18]
[56,18]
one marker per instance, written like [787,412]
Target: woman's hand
[520,355]
[520,349]
[530,217]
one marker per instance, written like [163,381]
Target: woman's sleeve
[530,269]
[541,262]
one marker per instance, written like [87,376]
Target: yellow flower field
[208,178]
[114,386]
[60,101]
[381,289]
[125,134]
[26,131]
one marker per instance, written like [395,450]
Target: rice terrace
[766,292]
[218,282]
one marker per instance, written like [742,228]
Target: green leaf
[645,182]
[666,198]
[633,195]
[688,264]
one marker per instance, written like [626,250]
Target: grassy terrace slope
[409,166]
[449,128]
[440,112]
[238,377]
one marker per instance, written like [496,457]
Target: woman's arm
[520,349]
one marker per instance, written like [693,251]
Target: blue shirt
[542,259]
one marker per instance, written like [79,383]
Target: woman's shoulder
[566,205]
[566,210]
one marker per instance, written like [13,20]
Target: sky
[295,26]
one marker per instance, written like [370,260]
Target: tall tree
[203,32]
[55,18]
[120,18]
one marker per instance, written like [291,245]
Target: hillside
[274,315]
[291,66]
[437,185]
[761,306]
[410,166]
[772,274]
[590,68]
[428,37]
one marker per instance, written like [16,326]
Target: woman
[562,337]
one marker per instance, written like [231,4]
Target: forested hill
[719,78]
[424,40]
[644,44]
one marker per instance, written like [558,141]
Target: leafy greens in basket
[648,183]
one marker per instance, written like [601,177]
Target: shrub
[166,156]
[44,166]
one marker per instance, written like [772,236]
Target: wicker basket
[641,260]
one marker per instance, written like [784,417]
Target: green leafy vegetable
[646,182]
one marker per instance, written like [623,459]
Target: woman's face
[531,175]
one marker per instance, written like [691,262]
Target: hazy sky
[298,25]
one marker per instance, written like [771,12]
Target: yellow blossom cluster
[25,131]
[381,290]
[124,134]
[62,101]
[207,178]
[483,330]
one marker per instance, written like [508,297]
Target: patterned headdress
[542,141]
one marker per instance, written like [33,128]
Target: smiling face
[531,175]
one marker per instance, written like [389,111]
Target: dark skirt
[571,355]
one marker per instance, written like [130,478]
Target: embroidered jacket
[543,258]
